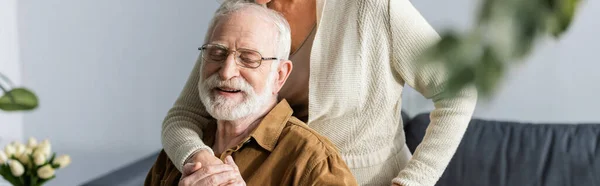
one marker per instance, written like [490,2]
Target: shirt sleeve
[182,127]
[330,171]
[411,35]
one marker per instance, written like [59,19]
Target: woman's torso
[343,73]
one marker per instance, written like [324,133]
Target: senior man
[244,66]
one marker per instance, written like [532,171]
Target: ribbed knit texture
[363,54]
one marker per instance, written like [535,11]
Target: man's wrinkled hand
[211,175]
[203,157]
[238,181]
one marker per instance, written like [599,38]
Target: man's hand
[216,175]
[238,181]
[203,157]
[212,175]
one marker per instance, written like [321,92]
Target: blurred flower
[3,158]
[19,149]
[39,159]
[32,142]
[24,158]
[45,172]
[62,161]
[45,142]
[28,150]
[10,150]
[44,149]
[39,153]
[16,168]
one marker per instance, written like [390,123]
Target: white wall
[558,83]
[11,124]
[106,73]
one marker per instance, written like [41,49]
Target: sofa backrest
[511,153]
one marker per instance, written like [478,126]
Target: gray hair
[283,37]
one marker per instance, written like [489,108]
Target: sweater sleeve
[182,127]
[411,35]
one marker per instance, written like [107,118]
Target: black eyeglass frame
[205,46]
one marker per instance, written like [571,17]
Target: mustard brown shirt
[282,150]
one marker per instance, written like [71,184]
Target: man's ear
[283,72]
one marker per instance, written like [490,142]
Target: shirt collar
[269,129]
[267,133]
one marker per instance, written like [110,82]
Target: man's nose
[229,68]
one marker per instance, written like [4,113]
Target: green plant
[505,33]
[16,99]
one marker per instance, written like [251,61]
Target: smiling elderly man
[244,66]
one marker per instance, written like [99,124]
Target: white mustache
[235,83]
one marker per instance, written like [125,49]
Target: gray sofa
[499,153]
[492,153]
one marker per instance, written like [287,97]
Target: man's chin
[227,113]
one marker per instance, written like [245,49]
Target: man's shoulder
[307,139]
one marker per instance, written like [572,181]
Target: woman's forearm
[449,121]
[181,134]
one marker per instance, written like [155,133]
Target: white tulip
[28,150]
[44,149]
[9,150]
[3,157]
[39,153]
[45,172]
[19,149]
[39,159]
[24,159]
[16,168]
[32,142]
[45,142]
[62,161]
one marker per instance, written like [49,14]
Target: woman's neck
[301,16]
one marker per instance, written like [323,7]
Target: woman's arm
[411,35]
[182,127]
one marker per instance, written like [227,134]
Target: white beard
[222,108]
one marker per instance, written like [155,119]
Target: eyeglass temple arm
[270,58]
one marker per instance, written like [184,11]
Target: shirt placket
[235,149]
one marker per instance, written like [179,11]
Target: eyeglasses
[243,57]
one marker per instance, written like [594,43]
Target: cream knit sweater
[363,54]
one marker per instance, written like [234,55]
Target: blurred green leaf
[459,79]
[564,16]
[18,99]
[528,28]
[488,73]
[505,33]
[448,43]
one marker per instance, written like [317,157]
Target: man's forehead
[243,28]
